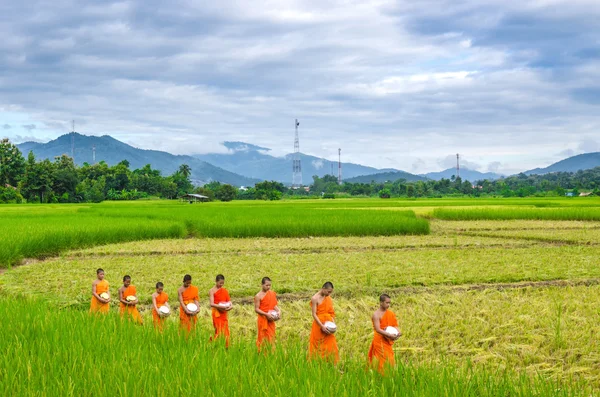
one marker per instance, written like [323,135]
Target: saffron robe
[381,351]
[325,345]
[219,318]
[189,295]
[96,306]
[266,328]
[128,310]
[161,300]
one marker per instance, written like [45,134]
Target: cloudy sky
[510,85]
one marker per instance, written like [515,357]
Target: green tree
[385,193]
[65,178]
[226,193]
[12,164]
[37,183]
[185,170]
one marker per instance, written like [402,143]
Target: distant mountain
[391,176]
[253,161]
[584,161]
[465,174]
[113,151]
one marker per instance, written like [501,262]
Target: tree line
[62,181]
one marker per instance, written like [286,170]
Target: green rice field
[493,299]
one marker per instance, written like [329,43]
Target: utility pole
[339,166]
[296,166]
[457,166]
[94,154]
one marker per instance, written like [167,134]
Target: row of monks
[322,339]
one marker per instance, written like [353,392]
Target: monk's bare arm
[94,291]
[154,302]
[257,299]
[315,303]
[123,301]
[181,304]
[96,294]
[211,298]
[377,326]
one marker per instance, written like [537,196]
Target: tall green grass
[69,353]
[39,231]
[562,214]
[47,235]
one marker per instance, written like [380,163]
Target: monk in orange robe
[128,308]
[381,353]
[187,294]
[220,303]
[159,299]
[265,302]
[99,286]
[322,341]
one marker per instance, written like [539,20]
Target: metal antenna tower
[339,166]
[296,166]
[457,166]
[73,142]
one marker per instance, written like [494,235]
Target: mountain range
[113,151]
[246,164]
[254,161]
[572,164]
[465,174]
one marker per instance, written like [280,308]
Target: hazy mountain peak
[244,147]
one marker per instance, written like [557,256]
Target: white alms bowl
[330,325]
[393,331]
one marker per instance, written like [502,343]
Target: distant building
[569,194]
[192,198]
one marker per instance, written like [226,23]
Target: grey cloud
[450,162]
[589,145]
[6,126]
[25,138]
[206,73]
[494,166]
[318,164]
[417,165]
[29,127]
[567,153]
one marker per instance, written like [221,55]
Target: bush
[385,194]
[328,196]
[10,195]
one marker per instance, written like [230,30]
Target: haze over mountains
[245,164]
[254,161]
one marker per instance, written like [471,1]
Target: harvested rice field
[501,306]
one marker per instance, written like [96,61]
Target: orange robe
[96,306]
[159,321]
[219,318]
[381,348]
[266,328]
[189,295]
[130,311]
[321,343]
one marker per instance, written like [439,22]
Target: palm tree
[185,170]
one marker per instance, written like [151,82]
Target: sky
[395,84]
